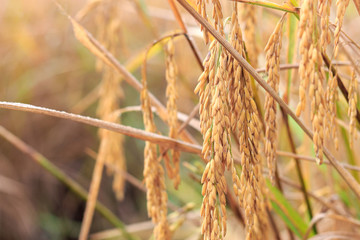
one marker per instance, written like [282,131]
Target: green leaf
[283,208]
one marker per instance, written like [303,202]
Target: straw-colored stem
[90,203]
[126,130]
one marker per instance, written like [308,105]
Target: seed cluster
[228,111]
[154,175]
[111,147]
[324,11]
[340,12]
[352,107]
[312,73]
[201,8]
[227,107]
[272,49]
[171,94]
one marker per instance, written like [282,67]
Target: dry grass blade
[245,124]
[128,131]
[348,178]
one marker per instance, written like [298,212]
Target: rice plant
[221,119]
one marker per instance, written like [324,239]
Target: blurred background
[43,64]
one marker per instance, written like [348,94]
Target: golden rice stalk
[316,94]
[213,219]
[250,188]
[272,50]
[215,126]
[154,176]
[217,139]
[111,149]
[306,68]
[252,182]
[331,98]
[201,9]
[324,11]
[340,13]
[235,72]
[171,94]
[204,91]
[352,107]
[218,16]
[248,17]
[310,70]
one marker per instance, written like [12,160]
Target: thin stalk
[347,177]
[63,178]
[184,28]
[190,117]
[298,167]
[126,130]
[313,160]
[92,198]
